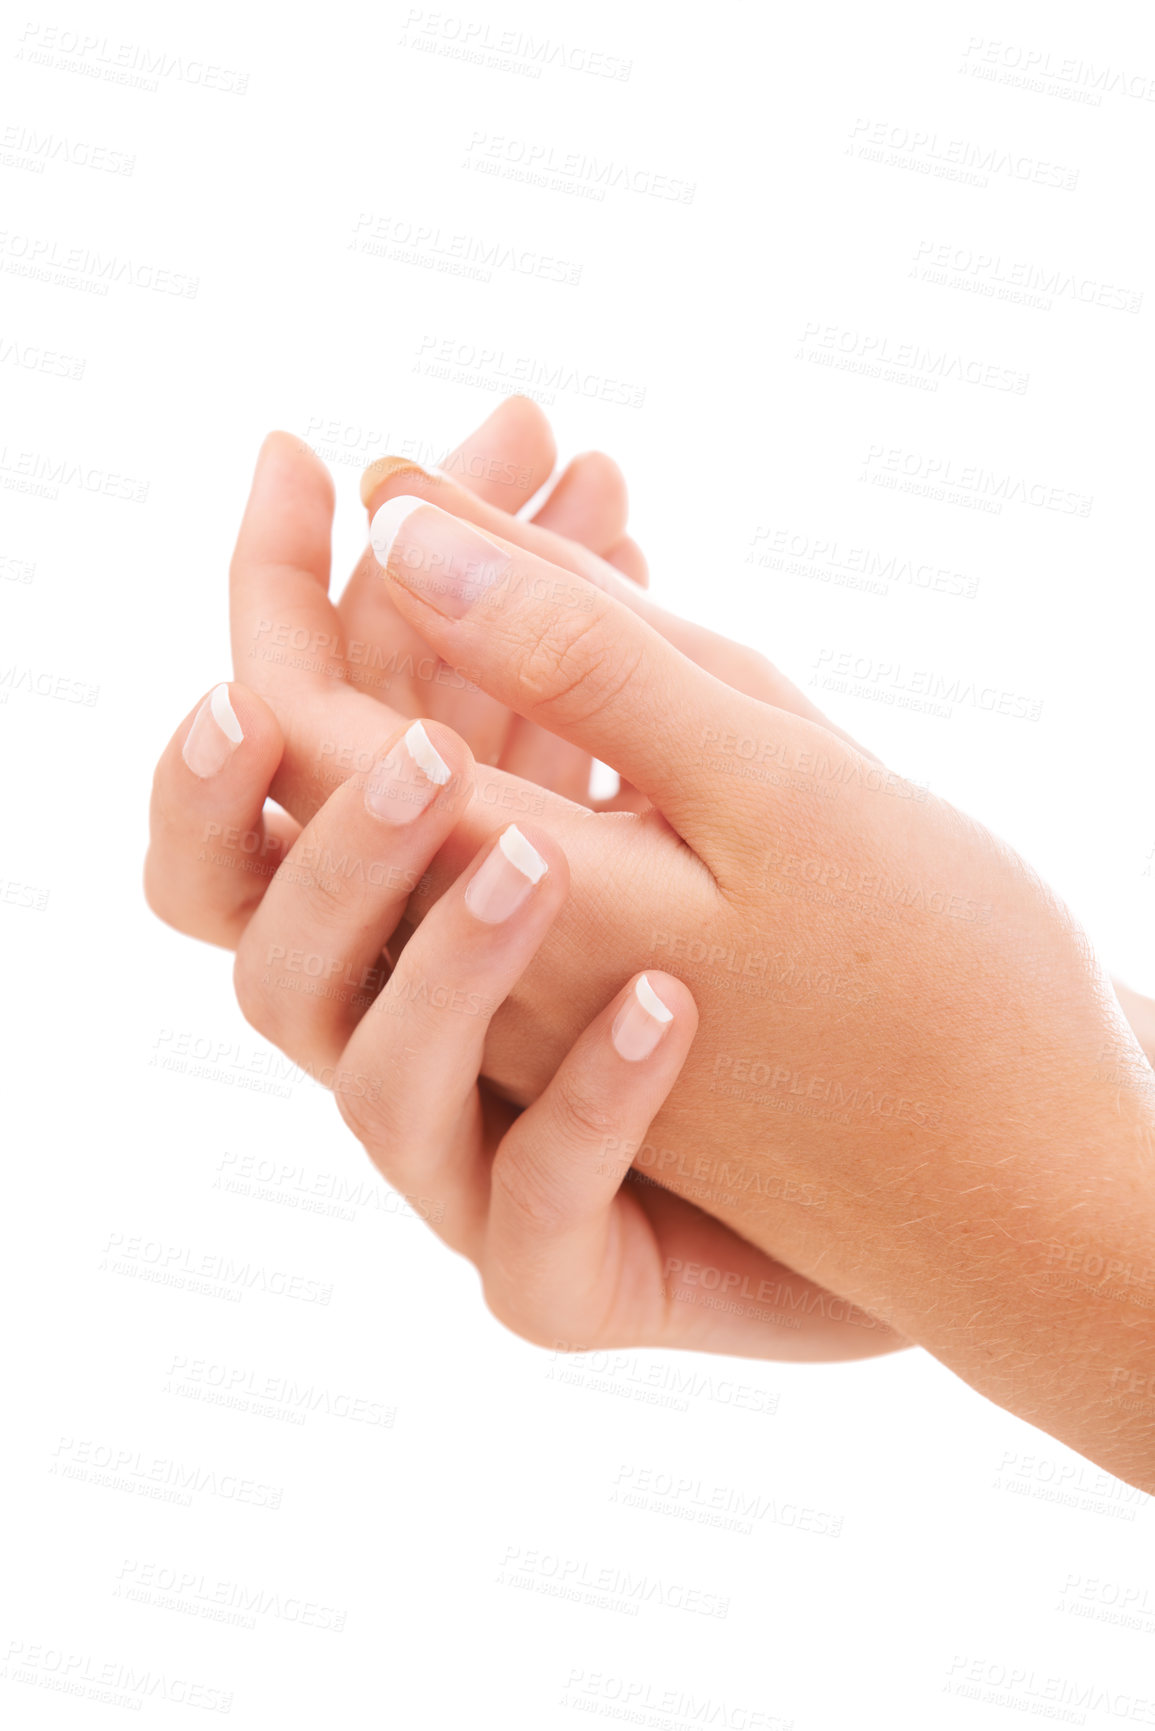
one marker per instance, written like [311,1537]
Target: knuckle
[529,1196]
[329,892]
[581,1120]
[573,667]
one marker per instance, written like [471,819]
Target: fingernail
[213,736]
[640,1023]
[384,470]
[445,562]
[407,779]
[505,878]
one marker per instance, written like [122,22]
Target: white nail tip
[387,521]
[521,854]
[650,1001]
[224,714]
[426,755]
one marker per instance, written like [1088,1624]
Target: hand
[959,1127]
[568,1254]
[213,845]
[363,643]
[213,850]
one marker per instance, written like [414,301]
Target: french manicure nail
[445,562]
[407,779]
[505,878]
[213,736]
[640,1023]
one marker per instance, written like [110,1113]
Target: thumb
[570,657]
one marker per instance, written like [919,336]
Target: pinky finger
[565,1252]
[212,848]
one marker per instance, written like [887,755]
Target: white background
[948,1547]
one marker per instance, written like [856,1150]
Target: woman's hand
[568,1254]
[971,1103]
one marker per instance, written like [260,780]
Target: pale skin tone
[214,847]
[937,1140]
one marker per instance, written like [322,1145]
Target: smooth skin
[898,1221]
[536,1198]
[209,863]
[983,1103]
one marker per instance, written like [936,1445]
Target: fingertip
[627,557]
[545,846]
[227,718]
[285,459]
[599,471]
[654,1012]
[256,719]
[673,993]
[436,749]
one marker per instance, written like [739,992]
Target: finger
[500,465]
[286,530]
[575,661]
[503,462]
[627,557]
[589,504]
[569,1256]
[400,667]
[286,635]
[508,458]
[212,846]
[561,1254]
[392,476]
[420,1046]
[542,758]
[745,669]
[310,962]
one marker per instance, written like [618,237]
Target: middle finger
[310,961]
